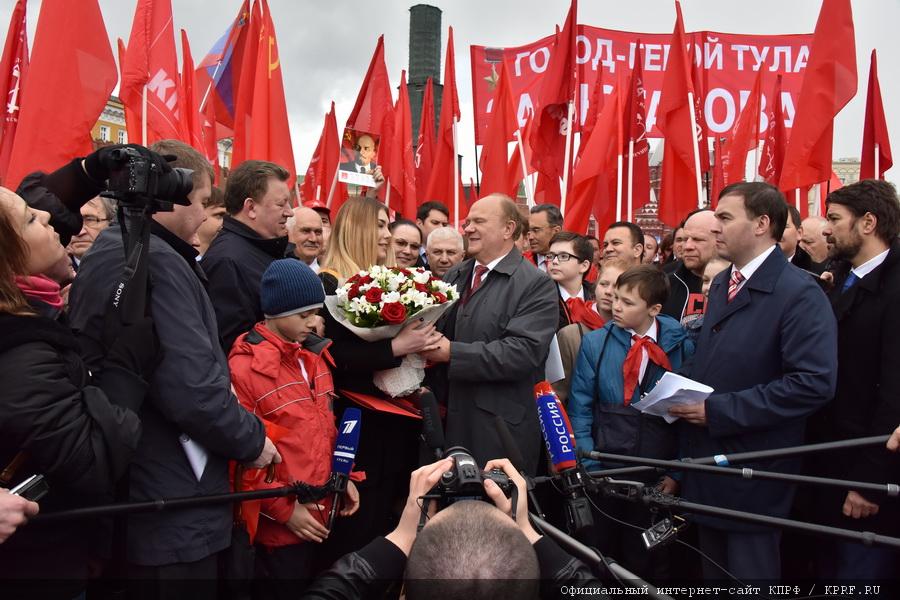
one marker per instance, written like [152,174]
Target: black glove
[99,163]
[136,349]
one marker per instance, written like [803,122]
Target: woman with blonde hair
[388,446]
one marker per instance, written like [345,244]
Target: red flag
[548,136]
[744,137]
[320,174]
[874,131]
[444,181]
[514,170]
[55,127]
[13,70]
[595,174]
[425,143]
[402,164]
[219,73]
[210,139]
[828,84]
[635,112]
[678,189]
[243,96]
[590,119]
[495,151]
[265,134]
[374,108]
[772,157]
[132,121]
[698,79]
[718,173]
[190,103]
[151,62]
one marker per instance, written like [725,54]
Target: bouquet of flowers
[376,304]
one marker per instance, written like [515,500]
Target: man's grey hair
[444,233]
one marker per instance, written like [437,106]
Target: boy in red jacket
[280,372]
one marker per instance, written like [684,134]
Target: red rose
[405,272]
[354,279]
[393,313]
[353,292]
[364,280]
[439,297]
[373,295]
[421,287]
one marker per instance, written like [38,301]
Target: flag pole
[619,187]
[565,184]
[455,179]
[696,148]
[529,194]
[209,87]
[797,198]
[630,178]
[387,194]
[144,116]
[877,171]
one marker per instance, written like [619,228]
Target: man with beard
[862,229]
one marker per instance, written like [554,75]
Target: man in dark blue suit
[768,347]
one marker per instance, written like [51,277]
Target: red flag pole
[567,157]
[877,166]
[331,191]
[455,176]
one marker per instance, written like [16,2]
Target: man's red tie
[734,284]
[631,368]
[480,270]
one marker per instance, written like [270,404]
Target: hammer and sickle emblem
[272,65]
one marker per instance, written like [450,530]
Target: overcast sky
[325,47]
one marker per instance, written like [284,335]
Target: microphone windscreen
[432,429]
[555,428]
[347,441]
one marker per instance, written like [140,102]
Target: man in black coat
[864,221]
[253,235]
[686,301]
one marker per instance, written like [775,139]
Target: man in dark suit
[498,337]
[768,347]
[863,224]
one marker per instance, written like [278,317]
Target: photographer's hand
[504,503]
[14,512]
[420,483]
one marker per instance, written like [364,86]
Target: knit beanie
[289,287]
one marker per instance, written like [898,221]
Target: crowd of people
[235,377]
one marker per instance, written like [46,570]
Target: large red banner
[728,63]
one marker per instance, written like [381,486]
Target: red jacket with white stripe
[268,381]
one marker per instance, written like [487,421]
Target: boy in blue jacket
[616,365]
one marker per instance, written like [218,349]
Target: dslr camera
[465,481]
[135,179]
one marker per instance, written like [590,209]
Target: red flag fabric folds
[320,174]
[444,181]
[402,165]
[874,131]
[635,113]
[190,103]
[219,73]
[828,84]
[13,71]
[772,156]
[425,142]
[55,123]
[151,62]
[495,151]
[744,136]
[678,189]
[262,131]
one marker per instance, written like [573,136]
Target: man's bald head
[700,242]
[812,240]
[306,234]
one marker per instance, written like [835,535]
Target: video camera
[138,178]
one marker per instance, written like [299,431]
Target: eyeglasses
[561,257]
[93,222]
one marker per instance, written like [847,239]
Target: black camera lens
[175,185]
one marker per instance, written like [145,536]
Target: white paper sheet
[196,455]
[671,390]
[553,368]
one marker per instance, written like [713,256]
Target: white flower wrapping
[350,308]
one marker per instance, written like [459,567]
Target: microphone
[432,429]
[560,441]
[343,457]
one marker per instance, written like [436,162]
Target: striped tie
[734,283]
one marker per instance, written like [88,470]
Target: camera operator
[53,422]
[469,550]
[192,421]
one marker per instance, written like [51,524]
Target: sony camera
[136,178]
[465,481]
